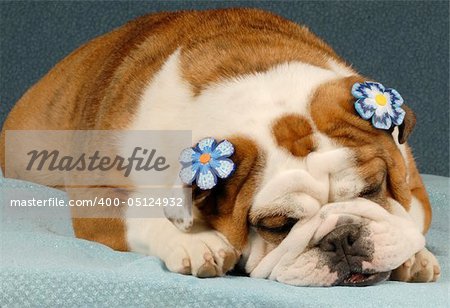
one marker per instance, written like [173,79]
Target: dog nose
[346,248]
[345,243]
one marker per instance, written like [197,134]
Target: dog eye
[276,224]
[371,191]
[374,189]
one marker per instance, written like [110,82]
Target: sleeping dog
[324,189]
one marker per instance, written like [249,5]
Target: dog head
[324,200]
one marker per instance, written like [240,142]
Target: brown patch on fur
[338,119]
[294,133]
[226,206]
[418,189]
[233,42]
[107,231]
[103,224]
[406,128]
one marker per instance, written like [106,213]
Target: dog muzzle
[346,243]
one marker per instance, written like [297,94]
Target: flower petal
[357,90]
[223,168]
[365,108]
[375,86]
[206,179]
[223,149]
[206,145]
[398,115]
[188,156]
[382,121]
[187,174]
[396,98]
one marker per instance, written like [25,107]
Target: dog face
[323,203]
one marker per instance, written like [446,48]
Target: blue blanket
[42,264]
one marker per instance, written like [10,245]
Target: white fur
[416,210]
[417,213]
[338,68]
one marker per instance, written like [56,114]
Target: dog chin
[346,243]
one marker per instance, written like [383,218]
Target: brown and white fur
[282,97]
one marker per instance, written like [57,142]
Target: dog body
[319,196]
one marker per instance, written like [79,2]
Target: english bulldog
[325,190]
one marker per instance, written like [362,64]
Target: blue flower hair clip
[205,162]
[379,103]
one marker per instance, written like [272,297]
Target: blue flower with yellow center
[206,162]
[378,103]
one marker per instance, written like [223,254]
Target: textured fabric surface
[402,44]
[42,264]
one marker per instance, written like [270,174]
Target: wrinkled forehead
[304,162]
[301,184]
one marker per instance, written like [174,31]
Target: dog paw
[422,267]
[204,254]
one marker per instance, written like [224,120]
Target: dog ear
[406,128]
[225,207]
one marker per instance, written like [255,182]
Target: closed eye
[371,191]
[374,189]
[276,224]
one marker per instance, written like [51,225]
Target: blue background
[404,45]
